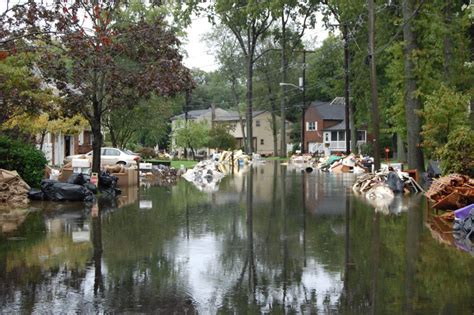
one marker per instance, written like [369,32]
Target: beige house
[262,127]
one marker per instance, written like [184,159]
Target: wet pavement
[271,240]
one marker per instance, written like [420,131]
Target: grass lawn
[276,158]
[187,164]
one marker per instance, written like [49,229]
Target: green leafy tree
[444,112]
[457,155]
[123,58]
[220,138]
[193,135]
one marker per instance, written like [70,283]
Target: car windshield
[128,152]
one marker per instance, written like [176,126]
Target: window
[312,126]
[342,135]
[326,137]
[361,135]
[333,135]
[112,152]
[257,123]
[261,142]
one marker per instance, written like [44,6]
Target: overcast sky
[200,57]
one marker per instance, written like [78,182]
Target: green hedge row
[24,158]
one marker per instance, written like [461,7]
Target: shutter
[307,126]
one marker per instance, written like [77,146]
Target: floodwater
[271,240]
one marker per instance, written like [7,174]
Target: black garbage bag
[108,184]
[394,182]
[35,194]
[56,191]
[91,187]
[77,179]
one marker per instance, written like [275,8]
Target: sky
[199,56]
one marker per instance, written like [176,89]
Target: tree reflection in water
[271,240]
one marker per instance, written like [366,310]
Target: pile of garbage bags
[77,188]
[13,189]
[451,192]
[205,175]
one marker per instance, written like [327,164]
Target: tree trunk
[43,134]
[274,120]
[237,101]
[97,142]
[352,126]
[373,87]
[284,69]
[401,152]
[412,104]
[249,119]
[113,137]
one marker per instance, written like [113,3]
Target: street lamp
[301,87]
[292,85]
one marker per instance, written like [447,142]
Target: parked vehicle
[109,156]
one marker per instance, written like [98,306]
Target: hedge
[24,158]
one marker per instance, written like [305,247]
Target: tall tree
[121,58]
[249,21]
[373,86]
[290,14]
[412,103]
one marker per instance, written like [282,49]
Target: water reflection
[271,240]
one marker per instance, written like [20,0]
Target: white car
[108,156]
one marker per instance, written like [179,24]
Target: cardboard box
[129,178]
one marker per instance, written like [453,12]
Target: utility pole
[373,86]
[186,108]
[347,115]
[346,87]
[303,108]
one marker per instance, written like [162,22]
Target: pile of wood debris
[451,192]
[397,181]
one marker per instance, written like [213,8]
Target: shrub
[457,156]
[147,153]
[24,158]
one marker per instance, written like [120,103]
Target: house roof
[330,110]
[221,114]
[192,114]
[339,126]
[233,116]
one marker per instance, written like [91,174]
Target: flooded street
[271,240]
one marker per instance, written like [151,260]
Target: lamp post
[302,89]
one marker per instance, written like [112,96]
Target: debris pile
[451,192]
[205,175]
[464,224]
[345,164]
[396,181]
[237,157]
[166,175]
[13,189]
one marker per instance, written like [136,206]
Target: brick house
[325,125]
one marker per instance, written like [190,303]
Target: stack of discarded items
[205,175]
[239,158]
[456,192]
[13,189]
[166,175]
[380,188]
[345,164]
[77,188]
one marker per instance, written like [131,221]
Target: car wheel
[121,163]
